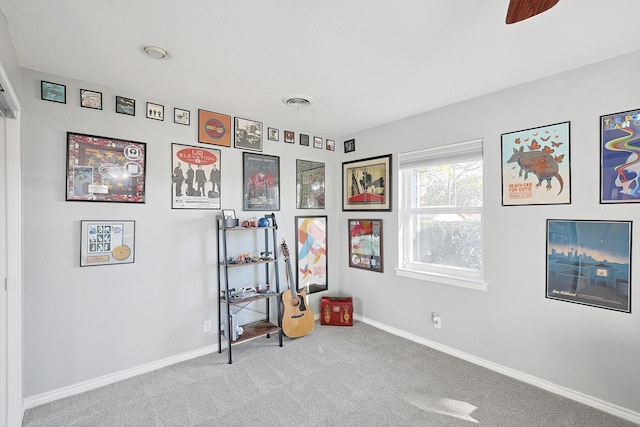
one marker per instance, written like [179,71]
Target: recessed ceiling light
[156,52]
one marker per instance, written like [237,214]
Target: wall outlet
[437,320]
[207,326]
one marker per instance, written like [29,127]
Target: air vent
[297,101]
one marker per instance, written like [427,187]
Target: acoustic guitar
[297,318]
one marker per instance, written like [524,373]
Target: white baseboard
[599,404]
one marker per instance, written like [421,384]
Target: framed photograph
[182,117]
[229,213]
[350,146]
[589,262]
[90,99]
[248,134]
[155,111]
[536,166]
[102,169]
[53,92]
[365,244]
[304,140]
[289,137]
[366,184]
[261,183]
[317,142]
[125,106]
[331,145]
[214,128]
[311,253]
[309,184]
[195,177]
[107,242]
[619,150]
[274,134]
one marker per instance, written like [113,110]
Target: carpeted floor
[336,376]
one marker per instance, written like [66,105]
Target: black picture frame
[366,244]
[54,92]
[261,182]
[182,117]
[273,134]
[248,134]
[289,137]
[367,184]
[126,106]
[155,111]
[350,146]
[90,99]
[304,139]
[311,254]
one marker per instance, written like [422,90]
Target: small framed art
[261,183]
[350,146]
[125,106]
[53,92]
[155,111]
[304,140]
[214,128]
[107,242]
[331,145]
[274,134]
[182,117]
[248,134]
[365,244]
[366,184]
[289,137]
[317,142]
[90,99]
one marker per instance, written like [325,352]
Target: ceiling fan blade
[519,10]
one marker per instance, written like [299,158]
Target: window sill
[463,282]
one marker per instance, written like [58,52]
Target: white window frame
[462,151]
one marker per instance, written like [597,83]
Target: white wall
[589,350]
[83,323]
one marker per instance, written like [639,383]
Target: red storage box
[336,311]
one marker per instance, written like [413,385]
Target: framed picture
[366,184]
[53,92]
[195,177]
[107,242]
[248,134]
[125,106]
[90,99]
[311,253]
[350,146]
[214,128]
[317,142]
[309,184]
[261,183]
[304,140]
[274,134]
[589,262]
[619,150]
[155,111]
[102,169]
[229,213]
[289,137]
[331,145]
[536,166]
[365,244]
[182,117]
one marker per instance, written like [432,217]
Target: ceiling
[363,63]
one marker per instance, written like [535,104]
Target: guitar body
[297,317]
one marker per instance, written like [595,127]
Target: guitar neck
[292,286]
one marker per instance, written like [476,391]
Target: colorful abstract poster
[536,166]
[311,250]
[214,128]
[589,262]
[195,178]
[620,157]
[103,169]
[365,245]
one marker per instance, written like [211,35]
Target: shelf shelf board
[256,330]
[245,264]
[248,299]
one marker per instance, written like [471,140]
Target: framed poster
[155,111]
[366,184]
[309,184]
[311,253]
[182,117]
[317,142]
[536,166]
[53,92]
[289,137]
[261,182]
[107,242]
[350,146]
[214,128]
[125,106]
[304,140]
[90,99]
[274,134]
[365,244]
[331,145]
[248,134]
[102,169]
[589,262]
[195,178]
[619,151]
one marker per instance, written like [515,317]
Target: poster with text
[195,177]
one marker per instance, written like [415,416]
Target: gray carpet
[336,376]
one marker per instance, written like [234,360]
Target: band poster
[195,177]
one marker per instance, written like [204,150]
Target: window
[441,215]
